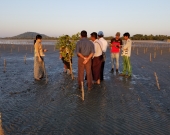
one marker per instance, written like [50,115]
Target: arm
[121,44]
[105,45]
[88,58]
[91,54]
[128,44]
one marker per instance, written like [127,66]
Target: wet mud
[119,106]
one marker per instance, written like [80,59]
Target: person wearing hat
[115,45]
[104,49]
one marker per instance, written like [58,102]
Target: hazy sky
[58,17]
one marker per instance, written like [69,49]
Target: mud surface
[118,106]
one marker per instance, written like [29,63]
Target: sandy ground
[118,106]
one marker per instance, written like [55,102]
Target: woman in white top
[39,69]
[97,58]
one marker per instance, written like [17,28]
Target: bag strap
[100,46]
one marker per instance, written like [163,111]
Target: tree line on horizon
[145,37]
[31,35]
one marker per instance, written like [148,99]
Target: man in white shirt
[97,58]
[104,49]
[126,53]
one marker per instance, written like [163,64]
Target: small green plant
[68,45]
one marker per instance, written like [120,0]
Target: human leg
[117,61]
[88,69]
[80,71]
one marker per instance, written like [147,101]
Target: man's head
[117,35]
[83,34]
[126,36]
[100,34]
[93,36]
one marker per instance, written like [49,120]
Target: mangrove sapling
[68,45]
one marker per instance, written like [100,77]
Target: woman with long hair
[39,66]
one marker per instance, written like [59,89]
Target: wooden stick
[154,55]
[4,65]
[46,77]
[144,51]
[157,82]
[150,57]
[1,130]
[71,70]
[25,57]
[82,90]
[137,52]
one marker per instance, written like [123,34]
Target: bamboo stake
[150,57]
[82,90]
[46,77]
[4,65]
[25,57]
[1,130]
[157,82]
[154,55]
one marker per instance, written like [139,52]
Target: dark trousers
[87,68]
[96,67]
[102,71]
[67,64]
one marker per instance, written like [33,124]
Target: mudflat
[130,106]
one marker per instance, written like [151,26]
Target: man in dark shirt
[85,52]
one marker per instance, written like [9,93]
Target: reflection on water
[26,42]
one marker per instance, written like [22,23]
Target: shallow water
[26,42]
[117,106]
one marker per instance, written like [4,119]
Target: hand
[85,61]
[40,60]
[60,57]
[45,50]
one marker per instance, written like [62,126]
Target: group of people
[91,57]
